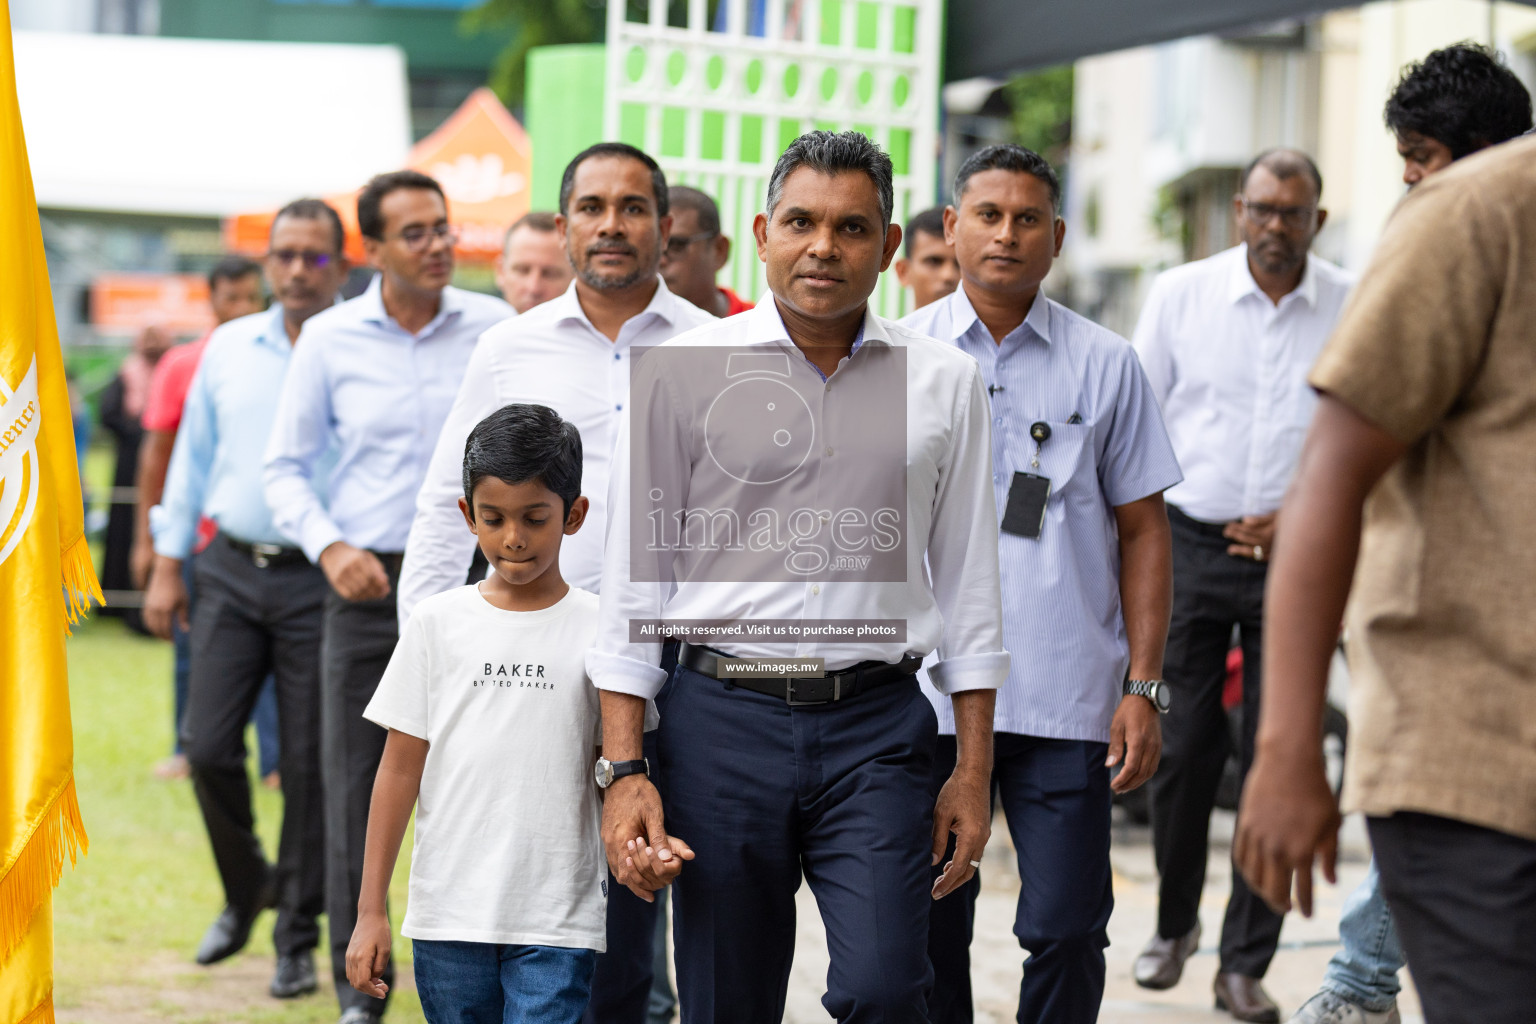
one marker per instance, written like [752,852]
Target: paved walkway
[1305,945]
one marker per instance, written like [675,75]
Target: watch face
[1160,696]
[603,773]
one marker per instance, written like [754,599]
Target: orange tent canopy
[480,155]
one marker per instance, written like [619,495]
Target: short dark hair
[1462,96]
[833,153]
[370,218]
[231,268]
[1284,163]
[315,209]
[533,220]
[518,443]
[929,222]
[1009,156]
[621,149]
[687,197]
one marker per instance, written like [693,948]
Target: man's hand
[1252,537]
[1288,818]
[368,954]
[640,853]
[165,599]
[1135,738]
[355,574]
[141,560]
[964,808]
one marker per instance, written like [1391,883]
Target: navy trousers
[1056,797]
[764,791]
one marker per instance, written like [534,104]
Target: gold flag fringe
[30,879]
[42,1013]
[80,586]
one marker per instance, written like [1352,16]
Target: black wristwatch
[608,771]
[1155,690]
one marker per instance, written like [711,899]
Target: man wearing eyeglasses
[697,252]
[372,381]
[1226,343]
[258,607]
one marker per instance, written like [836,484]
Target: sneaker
[358,1015]
[1331,1008]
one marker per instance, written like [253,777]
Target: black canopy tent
[995,38]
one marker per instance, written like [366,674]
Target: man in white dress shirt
[780,479]
[572,354]
[1227,343]
[371,381]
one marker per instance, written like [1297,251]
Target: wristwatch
[1155,690]
[608,771]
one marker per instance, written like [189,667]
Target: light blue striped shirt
[378,394]
[1062,622]
[215,468]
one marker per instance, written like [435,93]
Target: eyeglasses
[312,260]
[678,244]
[417,239]
[1293,217]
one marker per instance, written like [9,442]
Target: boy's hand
[640,853]
[368,955]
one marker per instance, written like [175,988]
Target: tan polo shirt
[1438,348]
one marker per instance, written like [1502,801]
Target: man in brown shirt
[1427,424]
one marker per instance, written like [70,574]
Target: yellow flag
[45,583]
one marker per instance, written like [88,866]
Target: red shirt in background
[738,304]
[167,396]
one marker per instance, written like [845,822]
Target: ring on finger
[975,863]
[1258,552]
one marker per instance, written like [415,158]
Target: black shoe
[358,1015]
[295,976]
[231,930]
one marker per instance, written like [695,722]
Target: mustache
[622,248]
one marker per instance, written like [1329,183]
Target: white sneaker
[1331,1008]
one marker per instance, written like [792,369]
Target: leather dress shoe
[231,930]
[295,976]
[1161,963]
[1245,999]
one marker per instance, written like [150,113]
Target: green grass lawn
[129,916]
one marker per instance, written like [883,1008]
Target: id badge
[1024,515]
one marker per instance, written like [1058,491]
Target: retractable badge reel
[1024,516]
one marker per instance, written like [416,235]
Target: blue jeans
[1364,970]
[485,983]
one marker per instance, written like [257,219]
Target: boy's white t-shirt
[508,848]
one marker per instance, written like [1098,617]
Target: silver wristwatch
[1155,690]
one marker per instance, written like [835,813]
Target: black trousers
[764,793]
[1463,898]
[359,639]
[249,622]
[1056,799]
[1212,593]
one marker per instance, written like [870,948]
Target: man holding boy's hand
[801,495]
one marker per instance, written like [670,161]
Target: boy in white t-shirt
[493,727]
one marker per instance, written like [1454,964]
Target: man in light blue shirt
[259,604]
[1080,460]
[372,379]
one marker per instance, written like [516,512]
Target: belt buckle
[262,554]
[789,692]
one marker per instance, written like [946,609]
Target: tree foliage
[1041,105]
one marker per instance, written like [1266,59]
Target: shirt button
[619,406]
[829,386]
[616,357]
[829,449]
[826,517]
[816,589]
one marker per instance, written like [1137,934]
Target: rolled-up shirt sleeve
[440,547]
[301,433]
[173,522]
[962,557]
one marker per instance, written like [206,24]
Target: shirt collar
[663,305]
[962,316]
[273,332]
[371,302]
[766,326]
[1241,283]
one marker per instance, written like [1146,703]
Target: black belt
[390,559]
[1179,517]
[866,675]
[266,556]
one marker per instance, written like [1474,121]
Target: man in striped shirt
[1080,460]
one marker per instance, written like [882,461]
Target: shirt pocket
[1067,460]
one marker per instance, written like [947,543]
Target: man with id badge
[1080,460]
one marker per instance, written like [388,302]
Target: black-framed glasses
[1293,217]
[678,244]
[418,238]
[312,260]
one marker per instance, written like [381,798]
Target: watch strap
[638,766]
